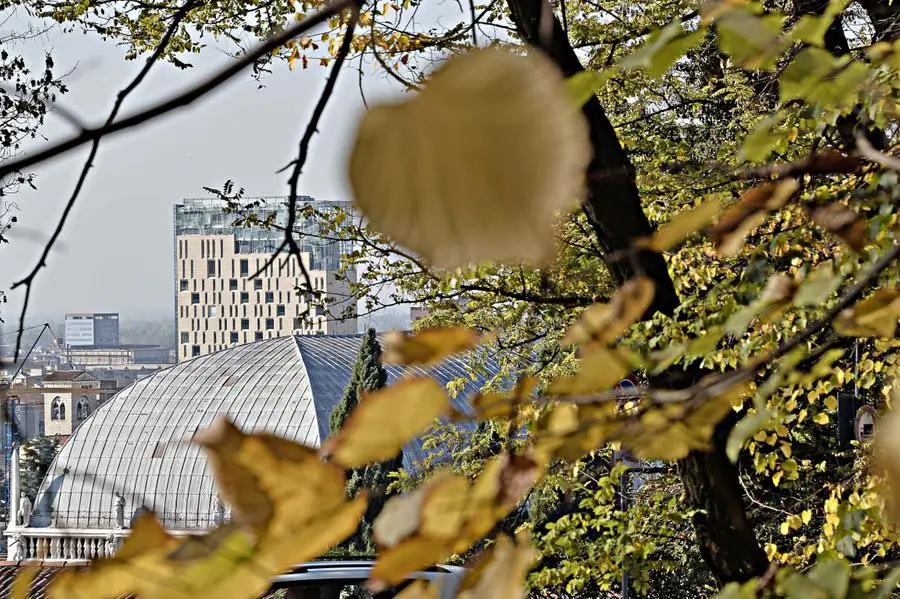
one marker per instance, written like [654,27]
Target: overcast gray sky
[116,251]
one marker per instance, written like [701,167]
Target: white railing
[64,544]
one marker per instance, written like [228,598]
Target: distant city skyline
[115,252]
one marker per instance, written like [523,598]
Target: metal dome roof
[135,444]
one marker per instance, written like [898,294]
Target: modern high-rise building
[219,302]
[94,330]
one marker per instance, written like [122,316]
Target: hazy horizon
[115,254]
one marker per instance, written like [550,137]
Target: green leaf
[810,29]
[765,138]
[734,590]
[751,41]
[832,575]
[817,286]
[663,48]
[743,430]
[818,77]
[583,85]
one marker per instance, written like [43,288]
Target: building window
[82,408]
[245,268]
[232,284]
[210,268]
[258,336]
[279,310]
[58,409]
[270,297]
[195,351]
[185,337]
[183,285]
[270,323]
[257,284]
[195,298]
[245,297]
[245,324]
[213,311]
[234,337]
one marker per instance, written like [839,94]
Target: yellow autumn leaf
[886,459]
[749,212]
[386,420]
[428,346]
[22,582]
[501,571]
[223,562]
[597,371]
[821,418]
[843,223]
[421,590]
[409,529]
[475,197]
[305,496]
[876,315]
[604,323]
[505,403]
[682,226]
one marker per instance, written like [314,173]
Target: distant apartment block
[122,355]
[96,329]
[220,304]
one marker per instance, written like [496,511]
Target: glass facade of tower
[208,217]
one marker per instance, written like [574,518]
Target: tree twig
[28,280]
[184,98]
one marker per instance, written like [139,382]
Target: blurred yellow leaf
[22,581]
[682,226]
[501,571]
[875,316]
[504,404]
[475,196]
[409,528]
[817,286]
[604,323]
[749,425]
[886,456]
[597,371]
[747,213]
[221,563]
[386,420]
[421,590]
[842,222]
[428,346]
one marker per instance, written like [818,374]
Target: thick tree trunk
[613,208]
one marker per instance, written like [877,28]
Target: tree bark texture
[612,206]
[728,542]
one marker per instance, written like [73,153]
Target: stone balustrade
[64,544]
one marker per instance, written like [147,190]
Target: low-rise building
[88,357]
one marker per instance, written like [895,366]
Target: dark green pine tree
[368,375]
[36,456]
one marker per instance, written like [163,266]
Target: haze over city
[115,253]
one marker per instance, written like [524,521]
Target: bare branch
[183,99]
[28,280]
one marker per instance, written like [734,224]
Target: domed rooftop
[135,444]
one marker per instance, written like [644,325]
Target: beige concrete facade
[64,407]
[220,305]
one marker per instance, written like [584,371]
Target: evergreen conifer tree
[368,375]
[36,456]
